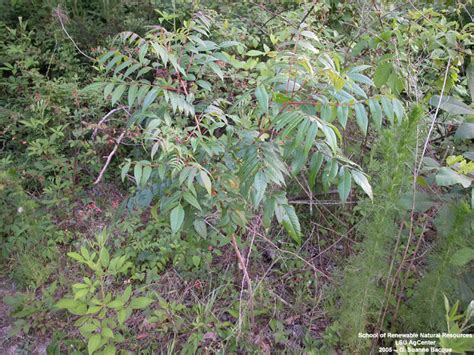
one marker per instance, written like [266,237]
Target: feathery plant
[447,272]
[362,291]
[222,129]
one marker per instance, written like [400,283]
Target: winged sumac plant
[223,130]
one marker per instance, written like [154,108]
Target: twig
[433,121]
[59,15]
[104,118]
[302,20]
[109,158]
[319,202]
[295,255]
[242,263]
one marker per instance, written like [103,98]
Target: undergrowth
[362,292]
[447,272]
[252,165]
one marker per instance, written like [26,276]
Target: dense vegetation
[235,177]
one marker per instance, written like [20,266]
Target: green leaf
[80,293]
[200,227]
[140,302]
[423,201]
[126,294]
[149,98]
[131,69]
[110,350]
[104,257]
[344,186]
[196,260]
[116,304]
[376,112]
[107,333]
[118,92]
[268,211]
[215,68]
[189,197]
[254,53]
[342,114]
[123,315]
[447,177]
[451,105]
[382,73]
[125,169]
[310,137]
[465,131]
[94,343]
[398,110]
[314,167]
[206,85]
[137,173]
[146,173]
[67,303]
[326,113]
[108,90]
[106,56]
[87,328]
[280,98]
[176,218]
[361,78]
[143,52]
[161,52]
[93,87]
[262,97]
[361,117]
[388,108]
[76,256]
[331,138]
[260,186]
[462,256]
[291,223]
[132,95]
[361,180]
[396,83]
[206,182]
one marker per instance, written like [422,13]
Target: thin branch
[60,15]
[433,121]
[103,119]
[242,263]
[294,254]
[302,20]
[320,202]
[109,158]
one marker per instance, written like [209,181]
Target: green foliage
[362,292]
[240,121]
[447,272]
[24,234]
[458,323]
[102,313]
[210,158]
[43,116]
[151,247]
[32,313]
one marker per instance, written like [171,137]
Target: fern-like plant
[447,272]
[362,292]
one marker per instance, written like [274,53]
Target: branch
[104,118]
[60,15]
[109,158]
[302,20]
[242,264]
[433,121]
